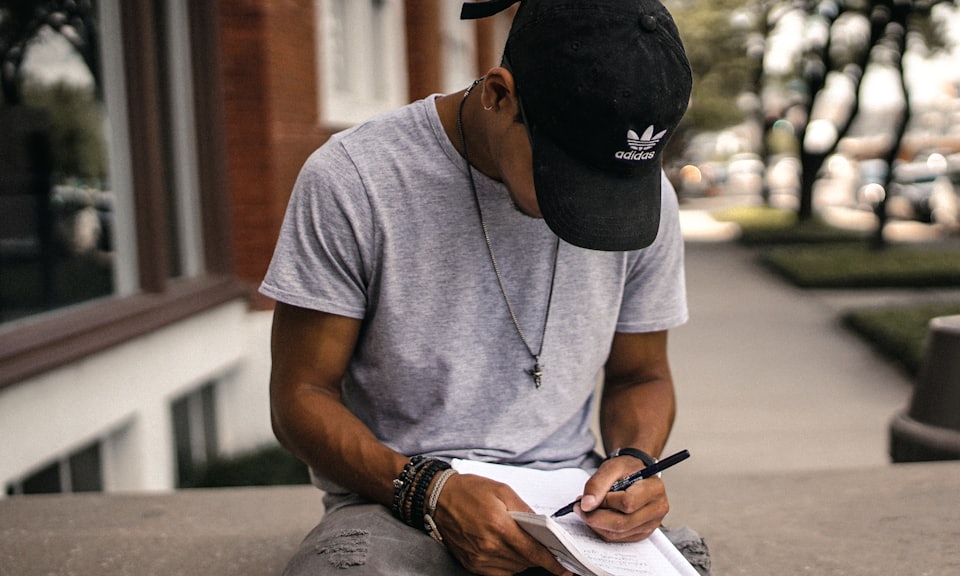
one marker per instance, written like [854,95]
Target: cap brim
[593,208]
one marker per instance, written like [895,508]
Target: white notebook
[574,544]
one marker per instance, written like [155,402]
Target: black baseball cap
[602,86]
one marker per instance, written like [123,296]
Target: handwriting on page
[617,559]
[546,491]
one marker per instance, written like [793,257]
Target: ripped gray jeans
[357,538]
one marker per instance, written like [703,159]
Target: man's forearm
[638,415]
[321,432]
[311,351]
[638,405]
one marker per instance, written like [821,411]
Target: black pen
[624,483]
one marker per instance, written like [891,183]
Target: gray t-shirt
[383,227]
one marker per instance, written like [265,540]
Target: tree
[74,115]
[817,93]
[22,20]
[722,72]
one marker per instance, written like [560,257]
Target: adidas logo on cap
[641,146]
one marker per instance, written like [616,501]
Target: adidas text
[634,155]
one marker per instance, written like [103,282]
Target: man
[453,278]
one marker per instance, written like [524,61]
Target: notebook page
[544,491]
[645,558]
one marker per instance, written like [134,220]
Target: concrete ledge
[237,531]
[896,519]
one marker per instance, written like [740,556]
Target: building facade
[149,152]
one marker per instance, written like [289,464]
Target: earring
[488,108]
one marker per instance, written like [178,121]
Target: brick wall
[270,84]
[270,91]
[424,65]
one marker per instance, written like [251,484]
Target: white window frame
[185,178]
[361,46]
[126,279]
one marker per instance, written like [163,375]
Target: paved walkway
[767,379]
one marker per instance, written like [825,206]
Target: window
[109,225]
[57,200]
[67,209]
[194,432]
[361,48]
[80,471]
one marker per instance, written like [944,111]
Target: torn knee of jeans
[346,548]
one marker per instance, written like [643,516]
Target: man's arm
[637,410]
[311,351]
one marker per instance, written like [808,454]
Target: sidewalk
[767,379]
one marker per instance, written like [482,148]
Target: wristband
[647,459]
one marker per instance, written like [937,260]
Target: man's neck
[448,108]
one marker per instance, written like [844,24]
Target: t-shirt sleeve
[325,239]
[655,295]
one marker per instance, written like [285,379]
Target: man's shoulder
[376,138]
[388,129]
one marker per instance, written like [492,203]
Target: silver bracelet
[432,504]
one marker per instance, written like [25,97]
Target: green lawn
[856,265]
[898,333]
[763,226]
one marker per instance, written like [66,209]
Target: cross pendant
[537,373]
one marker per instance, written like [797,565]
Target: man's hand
[626,516]
[474,521]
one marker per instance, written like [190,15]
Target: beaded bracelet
[409,506]
[403,483]
[419,493]
[410,489]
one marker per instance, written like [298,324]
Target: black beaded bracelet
[403,483]
[409,508]
[421,486]
[410,489]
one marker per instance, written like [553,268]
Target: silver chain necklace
[537,371]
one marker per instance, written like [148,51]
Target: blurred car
[926,191]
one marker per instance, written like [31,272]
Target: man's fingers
[478,530]
[597,488]
[634,534]
[536,554]
[647,495]
[629,515]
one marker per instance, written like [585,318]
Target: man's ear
[499,91]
